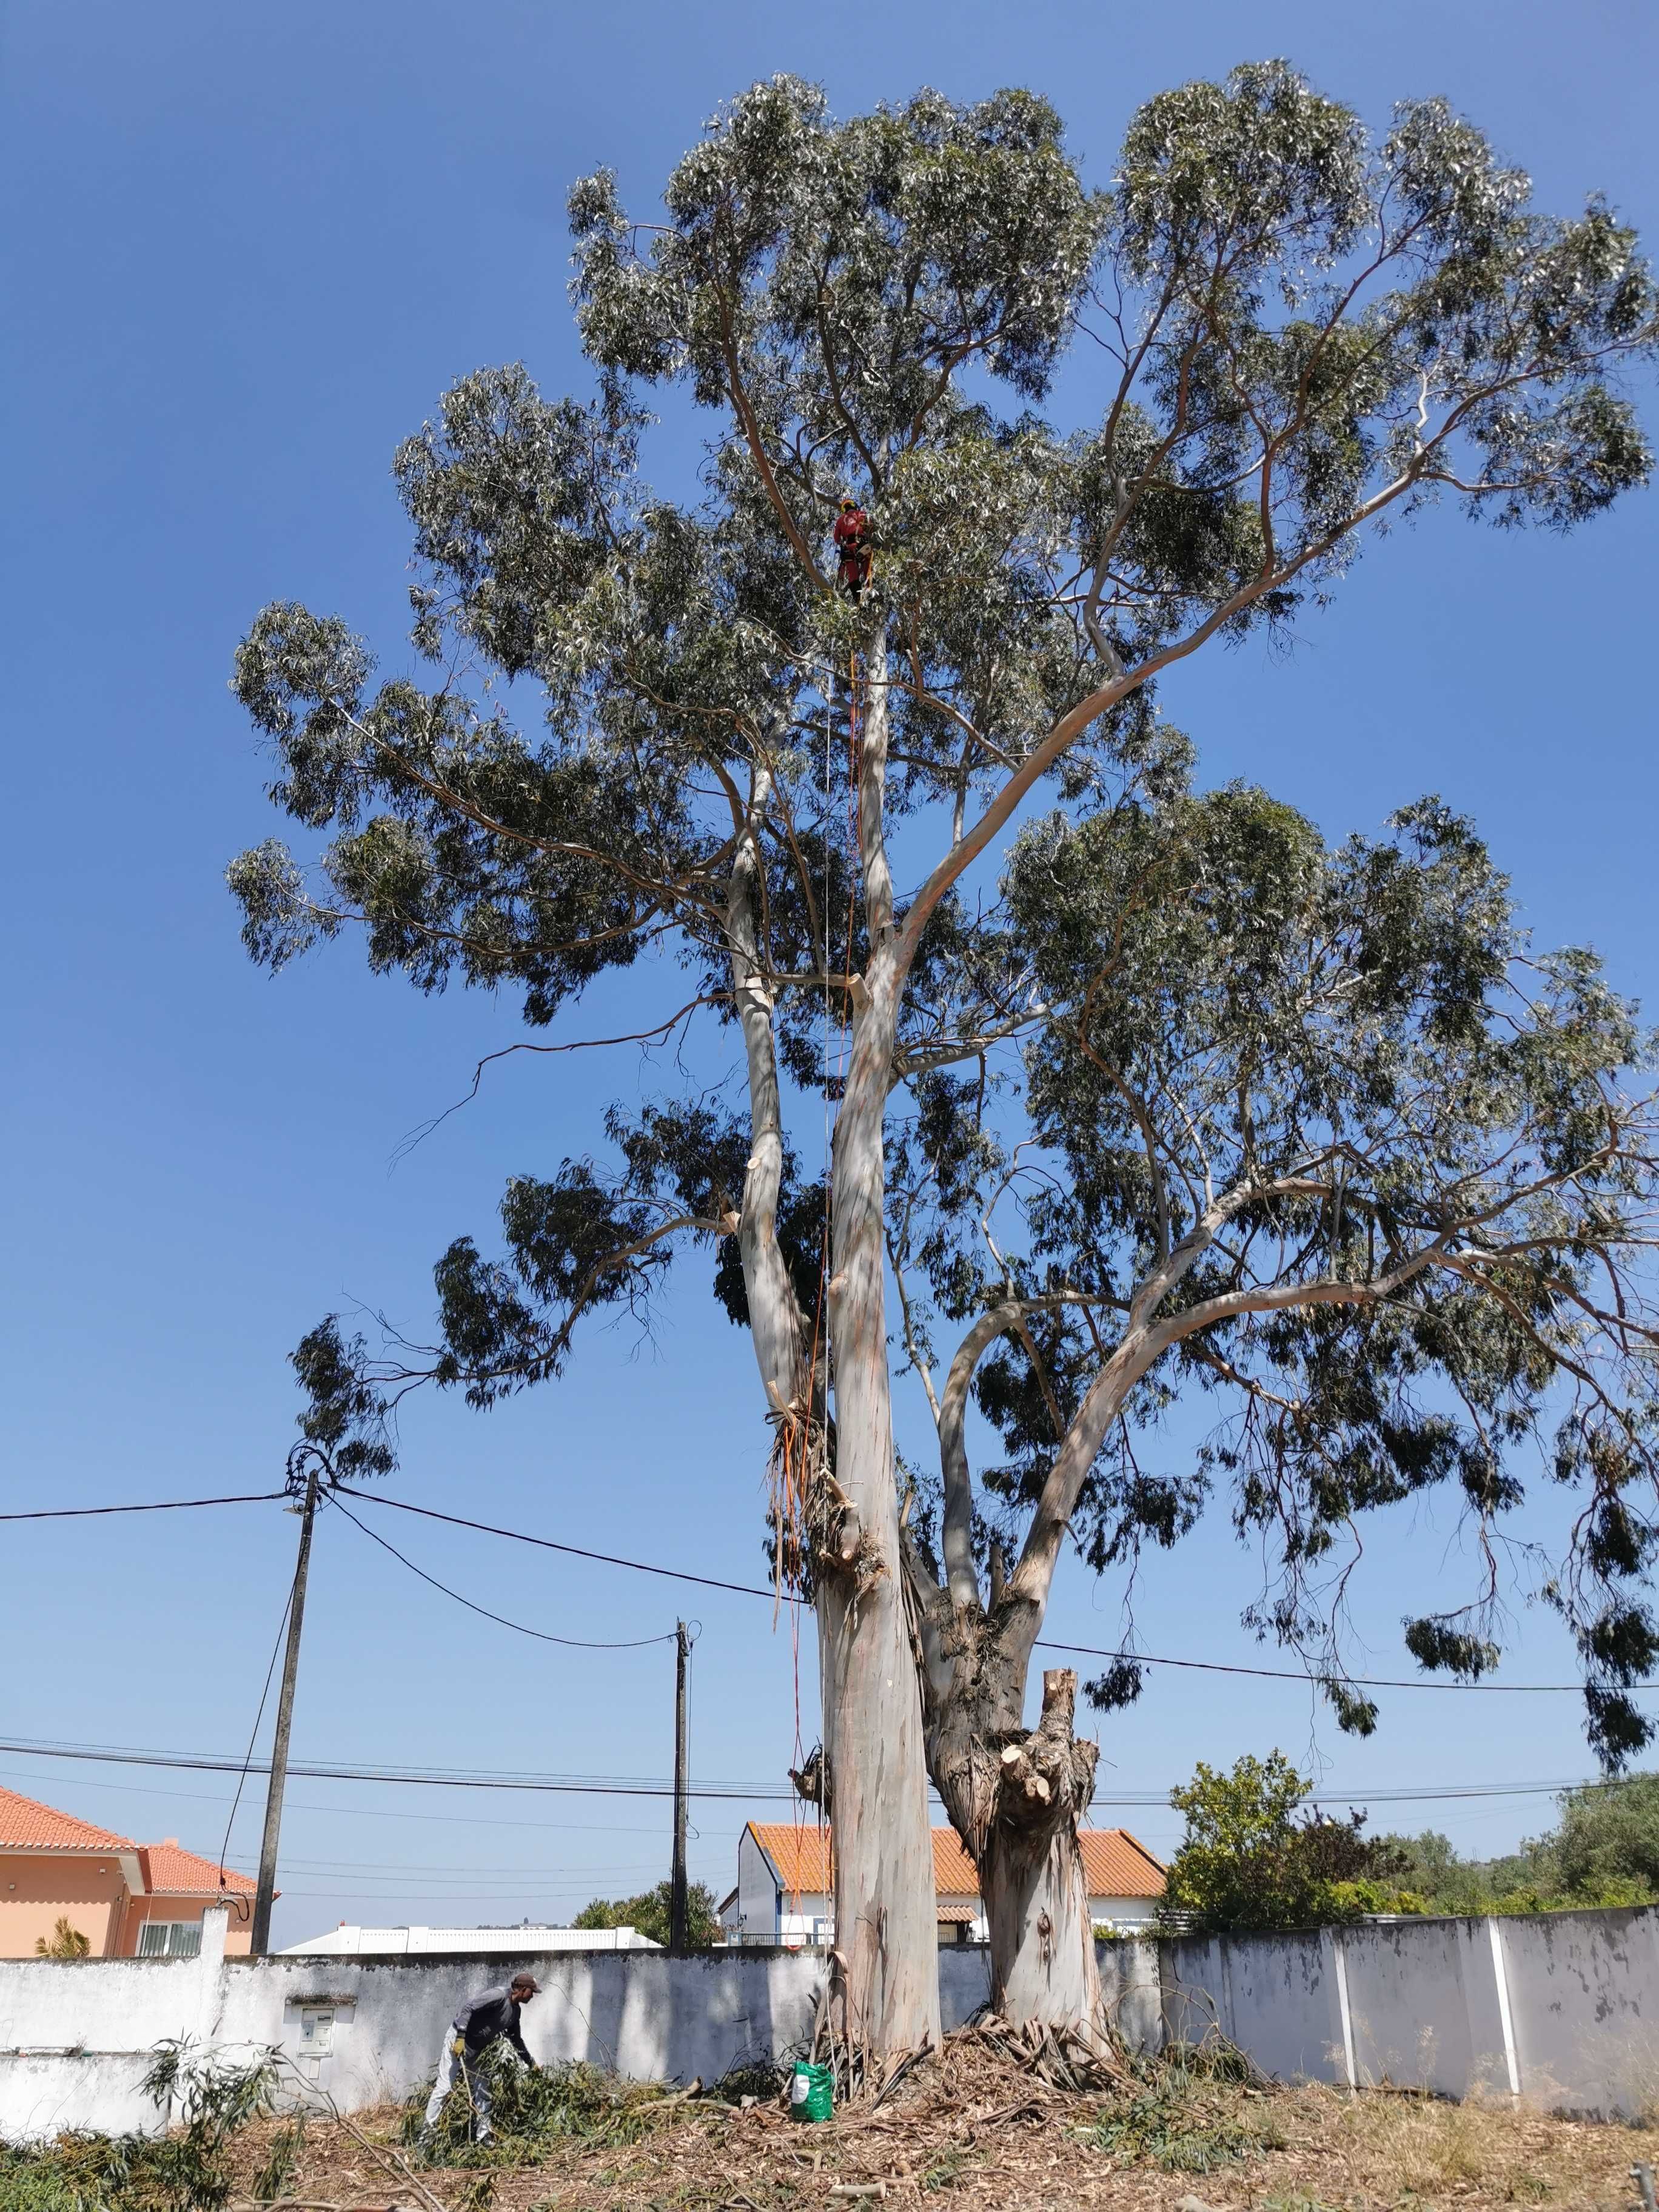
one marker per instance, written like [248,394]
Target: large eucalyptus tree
[1289,334]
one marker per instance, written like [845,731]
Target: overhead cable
[754,1590]
[1043,1643]
[572,1785]
[542,1635]
[161,1505]
[253,1732]
[1297,1675]
[547,1543]
[629,1786]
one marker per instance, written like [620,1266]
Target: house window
[170,1939]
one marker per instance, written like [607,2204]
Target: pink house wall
[88,1890]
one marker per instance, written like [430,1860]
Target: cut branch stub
[1049,1776]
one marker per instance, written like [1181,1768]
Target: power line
[754,1589]
[1296,1674]
[547,1543]
[1043,1643]
[253,1732]
[628,1786]
[447,1875]
[430,1778]
[355,1812]
[575,1643]
[161,1505]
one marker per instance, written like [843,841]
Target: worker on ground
[852,535]
[490,2017]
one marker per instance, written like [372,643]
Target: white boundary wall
[1561,2010]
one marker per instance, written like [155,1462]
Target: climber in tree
[853,545]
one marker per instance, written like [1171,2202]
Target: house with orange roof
[784,1893]
[127,1900]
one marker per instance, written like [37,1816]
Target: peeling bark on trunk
[1030,1872]
[874,1771]
[774,1316]
[886,1928]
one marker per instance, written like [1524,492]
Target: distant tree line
[1253,1858]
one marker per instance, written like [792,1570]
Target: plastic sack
[811,2093]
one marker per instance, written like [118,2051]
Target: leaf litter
[992,2122]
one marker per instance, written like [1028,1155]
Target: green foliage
[1315,1124]
[1367,1290]
[187,2169]
[1603,1851]
[1247,1864]
[275,2171]
[532,2112]
[1187,2117]
[651,1912]
[1609,1837]
[65,1941]
[345,1416]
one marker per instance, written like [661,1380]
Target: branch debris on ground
[974,2125]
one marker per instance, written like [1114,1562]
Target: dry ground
[967,2132]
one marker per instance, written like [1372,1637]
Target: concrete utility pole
[678,1929]
[259,1942]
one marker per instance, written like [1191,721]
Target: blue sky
[247,250]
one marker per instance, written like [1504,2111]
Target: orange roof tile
[27,1825]
[170,1871]
[799,1855]
[1114,1863]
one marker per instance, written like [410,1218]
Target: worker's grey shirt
[482,2018]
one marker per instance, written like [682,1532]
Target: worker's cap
[848,499]
[525,1982]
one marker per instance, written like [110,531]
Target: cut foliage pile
[974,2123]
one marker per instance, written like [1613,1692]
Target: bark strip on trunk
[1030,1872]
[886,1928]
[776,1321]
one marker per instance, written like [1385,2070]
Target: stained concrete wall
[75,2038]
[1562,2009]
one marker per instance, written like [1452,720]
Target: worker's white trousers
[452,2068]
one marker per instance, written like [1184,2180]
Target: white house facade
[784,1887]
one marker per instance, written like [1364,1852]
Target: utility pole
[678,1917]
[259,1942]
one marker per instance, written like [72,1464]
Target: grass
[1433,2149]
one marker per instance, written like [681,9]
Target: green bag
[811,2093]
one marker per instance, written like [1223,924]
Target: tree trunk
[1015,1799]
[1043,1944]
[886,1930]
[1030,1872]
